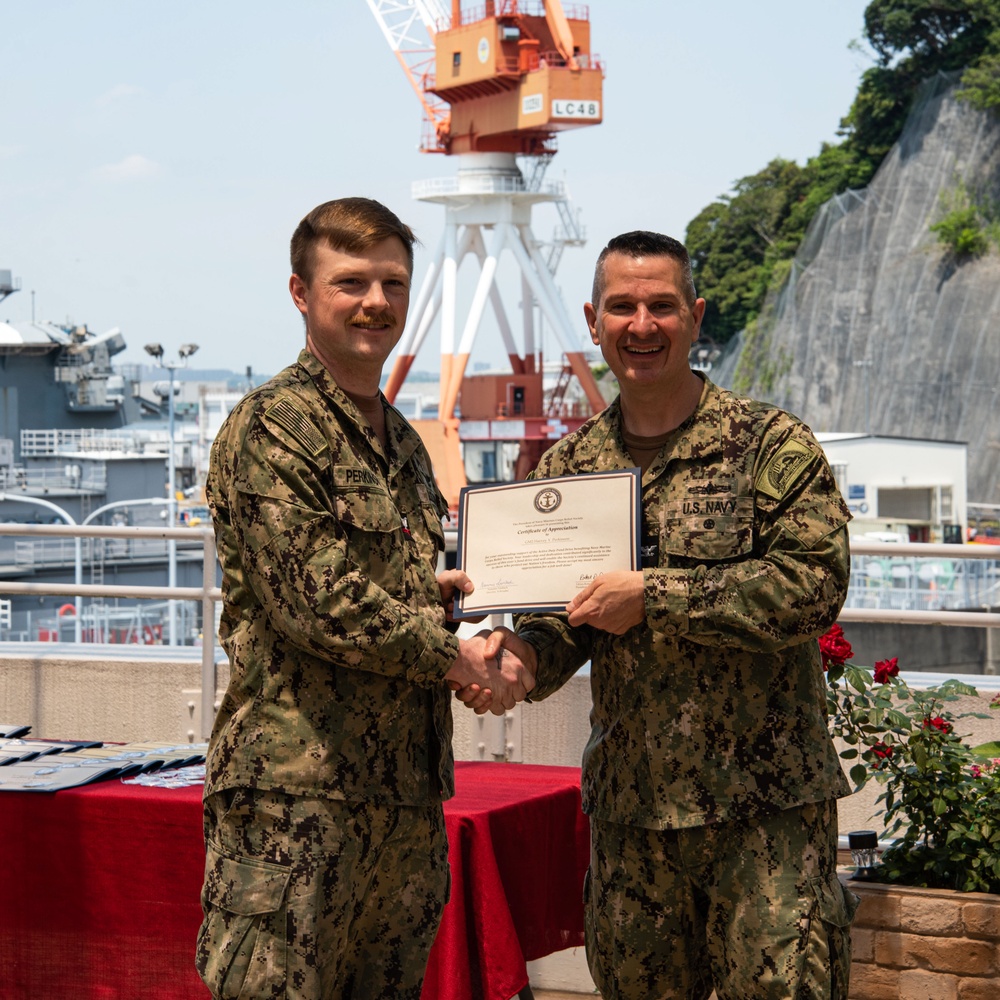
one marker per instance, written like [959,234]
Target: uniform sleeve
[291,542]
[791,584]
[561,649]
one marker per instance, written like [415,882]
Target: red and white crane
[496,83]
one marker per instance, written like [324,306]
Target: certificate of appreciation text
[532,546]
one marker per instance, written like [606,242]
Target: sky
[155,157]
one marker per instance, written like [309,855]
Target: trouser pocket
[828,957]
[242,940]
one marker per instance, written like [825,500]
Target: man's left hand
[613,602]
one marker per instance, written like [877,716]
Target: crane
[495,83]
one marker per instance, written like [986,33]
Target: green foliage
[738,242]
[758,364]
[941,798]
[970,223]
[962,233]
[734,244]
[981,82]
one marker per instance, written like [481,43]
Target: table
[100,886]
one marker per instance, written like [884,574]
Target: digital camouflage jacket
[331,617]
[713,707]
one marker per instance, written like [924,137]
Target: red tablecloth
[99,887]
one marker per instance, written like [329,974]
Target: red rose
[835,649]
[882,751]
[884,669]
[937,723]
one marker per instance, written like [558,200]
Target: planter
[924,944]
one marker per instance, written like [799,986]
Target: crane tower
[496,83]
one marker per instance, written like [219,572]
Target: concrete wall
[75,697]
[115,701]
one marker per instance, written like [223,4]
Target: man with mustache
[327,860]
[709,777]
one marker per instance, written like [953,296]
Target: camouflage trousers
[752,909]
[319,899]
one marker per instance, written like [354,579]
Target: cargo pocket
[827,964]
[241,944]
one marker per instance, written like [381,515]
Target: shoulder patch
[784,468]
[285,415]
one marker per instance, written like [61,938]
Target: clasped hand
[488,677]
[484,677]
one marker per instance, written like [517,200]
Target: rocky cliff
[880,328]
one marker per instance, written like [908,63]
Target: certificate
[532,546]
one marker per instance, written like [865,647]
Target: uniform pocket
[707,530]
[241,943]
[836,905]
[367,510]
[827,965]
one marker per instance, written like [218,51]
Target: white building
[909,487]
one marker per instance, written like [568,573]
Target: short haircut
[351,225]
[641,243]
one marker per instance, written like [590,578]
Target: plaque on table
[54,774]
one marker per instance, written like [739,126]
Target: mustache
[367,322]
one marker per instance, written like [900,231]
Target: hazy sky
[155,157]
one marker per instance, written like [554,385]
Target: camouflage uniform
[335,730]
[709,717]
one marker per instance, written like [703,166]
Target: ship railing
[78,440]
[45,553]
[208,594]
[92,477]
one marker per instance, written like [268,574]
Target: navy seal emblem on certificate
[547,500]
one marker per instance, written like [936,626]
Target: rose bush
[941,797]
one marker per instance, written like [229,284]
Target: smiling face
[645,324]
[355,309]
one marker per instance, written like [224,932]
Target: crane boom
[409,27]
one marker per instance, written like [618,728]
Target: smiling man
[709,777]
[327,860]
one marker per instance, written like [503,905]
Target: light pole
[185,351]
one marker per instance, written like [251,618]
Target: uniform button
[670,630]
[419,678]
[709,523]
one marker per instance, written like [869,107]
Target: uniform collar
[402,439]
[701,434]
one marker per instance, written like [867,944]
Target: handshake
[494,671]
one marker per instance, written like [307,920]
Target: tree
[735,243]
[738,243]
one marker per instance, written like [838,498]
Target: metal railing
[208,593]
[90,478]
[923,584]
[484,184]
